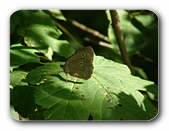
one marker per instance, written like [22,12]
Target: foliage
[42,40]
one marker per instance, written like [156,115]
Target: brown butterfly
[80,64]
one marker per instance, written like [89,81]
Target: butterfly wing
[80,64]
[81,68]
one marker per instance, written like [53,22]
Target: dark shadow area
[128,109]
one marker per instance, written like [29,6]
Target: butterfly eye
[85,72]
[81,62]
[83,54]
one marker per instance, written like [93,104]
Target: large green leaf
[112,93]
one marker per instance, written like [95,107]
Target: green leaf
[16,77]
[62,48]
[39,31]
[22,100]
[61,100]
[112,93]
[39,74]
[38,35]
[20,55]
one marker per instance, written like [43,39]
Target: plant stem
[119,37]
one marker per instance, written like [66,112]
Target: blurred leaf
[39,31]
[38,35]
[56,13]
[135,29]
[16,77]
[140,72]
[132,36]
[22,100]
[20,55]
[62,48]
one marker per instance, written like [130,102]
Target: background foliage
[41,40]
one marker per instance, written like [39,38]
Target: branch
[120,39]
[88,30]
